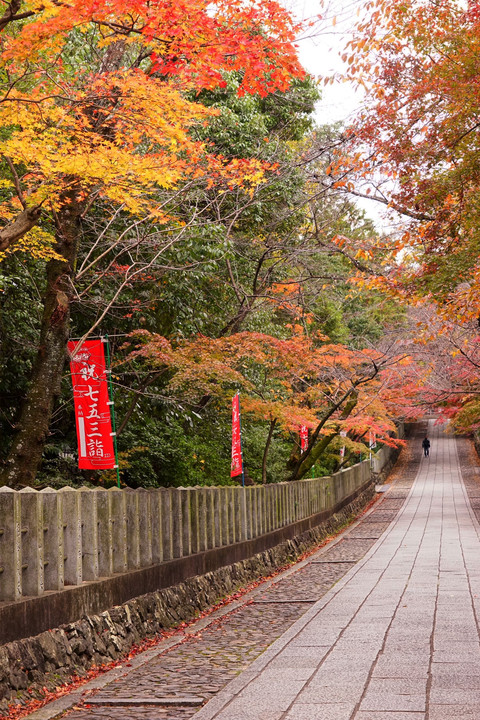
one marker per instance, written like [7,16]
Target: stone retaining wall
[50,658]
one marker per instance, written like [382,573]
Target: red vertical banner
[303,437]
[92,407]
[237,460]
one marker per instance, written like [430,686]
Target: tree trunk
[315,450]
[267,448]
[26,452]
[313,456]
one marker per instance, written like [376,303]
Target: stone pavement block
[351,657]
[341,711]
[389,716]
[451,675]
[324,637]
[450,642]
[252,706]
[320,694]
[337,711]
[308,641]
[357,677]
[415,646]
[387,700]
[409,622]
[447,712]
[377,613]
[454,633]
[284,661]
[274,676]
[455,696]
[403,658]
[322,630]
[389,703]
[457,649]
[357,647]
[395,686]
[366,622]
[335,669]
[291,651]
[249,713]
[460,625]
[392,666]
[268,692]
[459,656]
[368,634]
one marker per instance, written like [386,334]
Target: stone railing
[386,455]
[53,539]
[381,459]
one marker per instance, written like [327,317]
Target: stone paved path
[393,636]
[202,665]
[397,637]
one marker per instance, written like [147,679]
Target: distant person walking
[426,446]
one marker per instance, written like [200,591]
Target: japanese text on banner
[237,464]
[92,409]
[303,437]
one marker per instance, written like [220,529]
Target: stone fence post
[10,545]
[51,539]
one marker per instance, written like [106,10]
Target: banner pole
[112,407]
[241,441]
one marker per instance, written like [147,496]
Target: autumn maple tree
[414,147]
[297,380]
[446,362]
[98,109]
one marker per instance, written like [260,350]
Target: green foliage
[177,450]
[212,271]
[253,441]
[20,313]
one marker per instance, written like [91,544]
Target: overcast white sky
[320,52]
[321,48]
